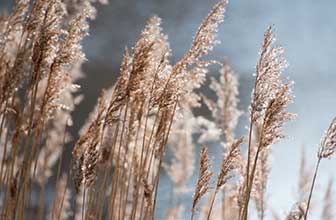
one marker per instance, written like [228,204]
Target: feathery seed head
[203,178]
[231,162]
[328,144]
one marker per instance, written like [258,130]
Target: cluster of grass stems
[118,158]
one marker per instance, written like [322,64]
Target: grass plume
[147,115]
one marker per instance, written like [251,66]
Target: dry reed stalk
[159,42]
[139,64]
[112,117]
[38,35]
[297,212]
[203,181]
[13,30]
[127,136]
[160,126]
[226,114]
[270,98]
[47,66]
[86,150]
[40,57]
[27,51]
[202,44]
[225,110]
[260,185]
[326,150]
[117,148]
[229,206]
[61,208]
[161,153]
[230,162]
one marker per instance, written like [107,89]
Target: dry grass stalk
[85,153]
[225,113]
[230,163]
[270,98]
[229,206]
[39,43]
[297,212]
[260,184]
[225,110]
[204,177]
[61,208]
[38,92]
[118,157]
[326,150]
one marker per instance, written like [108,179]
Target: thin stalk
[41,203]
[161,157]
[312,187]
[192,215]
[24,175]
[30,181]
[115,178]
[119,166]
[130,172]
[60,162]
[110,157]
[249,145]
[83,204]
[249,185]
[101,197]
[59,167]
[12,159]
[223,204]
[2,177]
[248,163]
[124,174]
[62,202]
[144,138]
[143,161]
[150,151]
[3,119]
[212,203]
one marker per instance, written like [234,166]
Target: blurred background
[305,28]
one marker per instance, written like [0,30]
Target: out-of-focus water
[305,28]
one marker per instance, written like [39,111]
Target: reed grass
[117,160]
